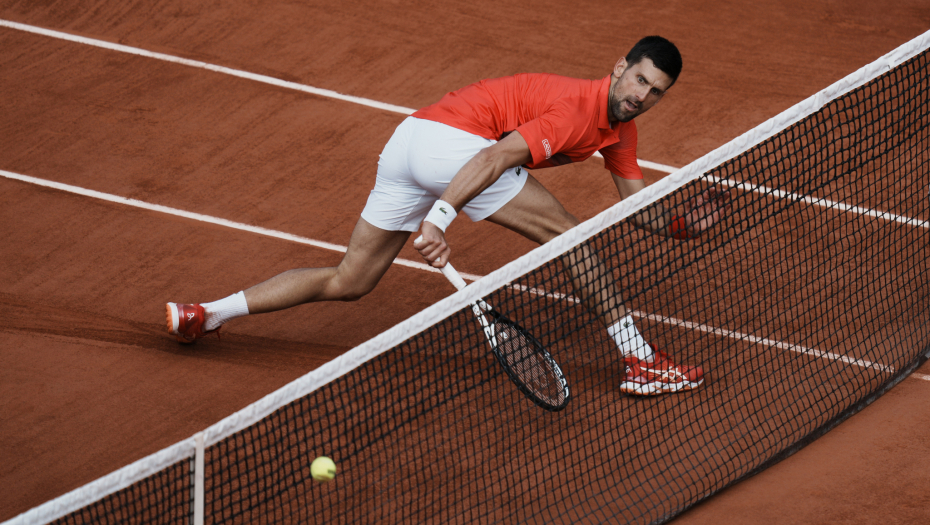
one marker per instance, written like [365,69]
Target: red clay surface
[89,382]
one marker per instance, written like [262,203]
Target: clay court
[90,381]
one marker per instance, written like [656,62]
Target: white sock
[219,312]
[629,340]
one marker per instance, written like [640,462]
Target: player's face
[637,88]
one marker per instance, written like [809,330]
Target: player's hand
[707,209]
[432,245]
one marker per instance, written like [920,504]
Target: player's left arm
[700,213]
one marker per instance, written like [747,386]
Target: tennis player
[470,153]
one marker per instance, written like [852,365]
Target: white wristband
[441,215]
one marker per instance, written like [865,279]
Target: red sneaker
[659,376]
[185,321]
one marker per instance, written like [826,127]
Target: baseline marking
[109,197]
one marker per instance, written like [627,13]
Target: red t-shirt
[562,119]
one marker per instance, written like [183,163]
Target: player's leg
[536,214]
[370,253]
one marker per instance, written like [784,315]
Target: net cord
[390,338]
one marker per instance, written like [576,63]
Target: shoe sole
[654,389]
[171,314]
[172,319]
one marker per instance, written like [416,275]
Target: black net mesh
[799,309]
[164,497]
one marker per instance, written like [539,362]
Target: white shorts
[416,166]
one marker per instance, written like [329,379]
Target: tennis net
[805,304]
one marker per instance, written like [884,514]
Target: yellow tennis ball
[323,469]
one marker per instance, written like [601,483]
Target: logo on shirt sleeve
[548,148]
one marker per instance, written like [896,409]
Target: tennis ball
[323,469]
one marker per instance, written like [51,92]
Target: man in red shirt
[467,153]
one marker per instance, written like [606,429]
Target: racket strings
[529,363]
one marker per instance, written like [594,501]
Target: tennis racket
[526,361]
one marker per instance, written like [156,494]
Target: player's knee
[350,289]
[354,294]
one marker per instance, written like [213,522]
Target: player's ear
[620,67]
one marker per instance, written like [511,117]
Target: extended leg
[370,253]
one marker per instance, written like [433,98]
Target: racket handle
[447,270]
[453,276]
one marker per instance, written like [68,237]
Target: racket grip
[447,270]
[453,276]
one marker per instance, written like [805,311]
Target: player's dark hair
[663,54]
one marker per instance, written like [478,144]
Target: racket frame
[480,308]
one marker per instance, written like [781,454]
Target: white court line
[203,65]
[770,342]
[422,266]
[206,218]
[243,74]
[825,203]
[407,111]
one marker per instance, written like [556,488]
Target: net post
[198,479]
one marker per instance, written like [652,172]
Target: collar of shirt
[603,120]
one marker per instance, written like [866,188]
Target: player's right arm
[475,176]
[702,211]
[653,218]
